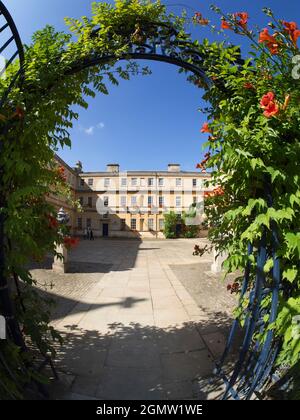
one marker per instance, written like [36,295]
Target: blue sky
[149,121]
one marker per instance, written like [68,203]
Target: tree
[170,224]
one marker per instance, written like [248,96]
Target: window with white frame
[133,200]
[194,182]
[178,182]
[161,201]
[123,201]
[91,182]
[161,182]
[178,201]
[150,200]
[150,182]
[105,201]
[82,182]
[133,182]
[150,224]
[123,182]
[106,182]
[133,224]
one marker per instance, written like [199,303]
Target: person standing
[85,233]
[91,235]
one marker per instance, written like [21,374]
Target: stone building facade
[133,203]
[129,204]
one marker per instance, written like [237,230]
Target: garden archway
[134,37]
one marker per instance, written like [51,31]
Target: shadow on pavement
[135,362]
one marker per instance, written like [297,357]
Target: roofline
[154,173]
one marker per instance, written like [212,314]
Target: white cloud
[89,131]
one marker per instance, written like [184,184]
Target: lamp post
[60,264]
[62,217]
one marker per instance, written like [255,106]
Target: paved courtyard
[131,328]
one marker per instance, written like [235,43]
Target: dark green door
[105,229]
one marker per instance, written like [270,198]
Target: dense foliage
[254,135]
[170,223]
[254,155]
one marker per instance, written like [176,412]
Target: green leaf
[290,274]
[268,265]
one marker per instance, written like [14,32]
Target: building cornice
[144,173]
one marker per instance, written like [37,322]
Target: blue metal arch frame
[255,361]
[9,29]
[164,47]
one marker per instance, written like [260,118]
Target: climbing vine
[253,141]
[253,127]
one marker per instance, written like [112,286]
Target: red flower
[61,173]
[264,36]
[248,85]
[292,29]
[269,40]
[271,110]
[204,22]
[215,193]
[266,99]
[53,223]
[242,19]
[218,191]
[269,105]
[207,194]
[70,242]
[199,19]
[225,25]
[205,128]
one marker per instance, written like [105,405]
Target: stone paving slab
[135,332]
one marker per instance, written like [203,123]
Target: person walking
[91,235]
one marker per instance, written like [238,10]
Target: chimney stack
[173,167]
[113,168]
